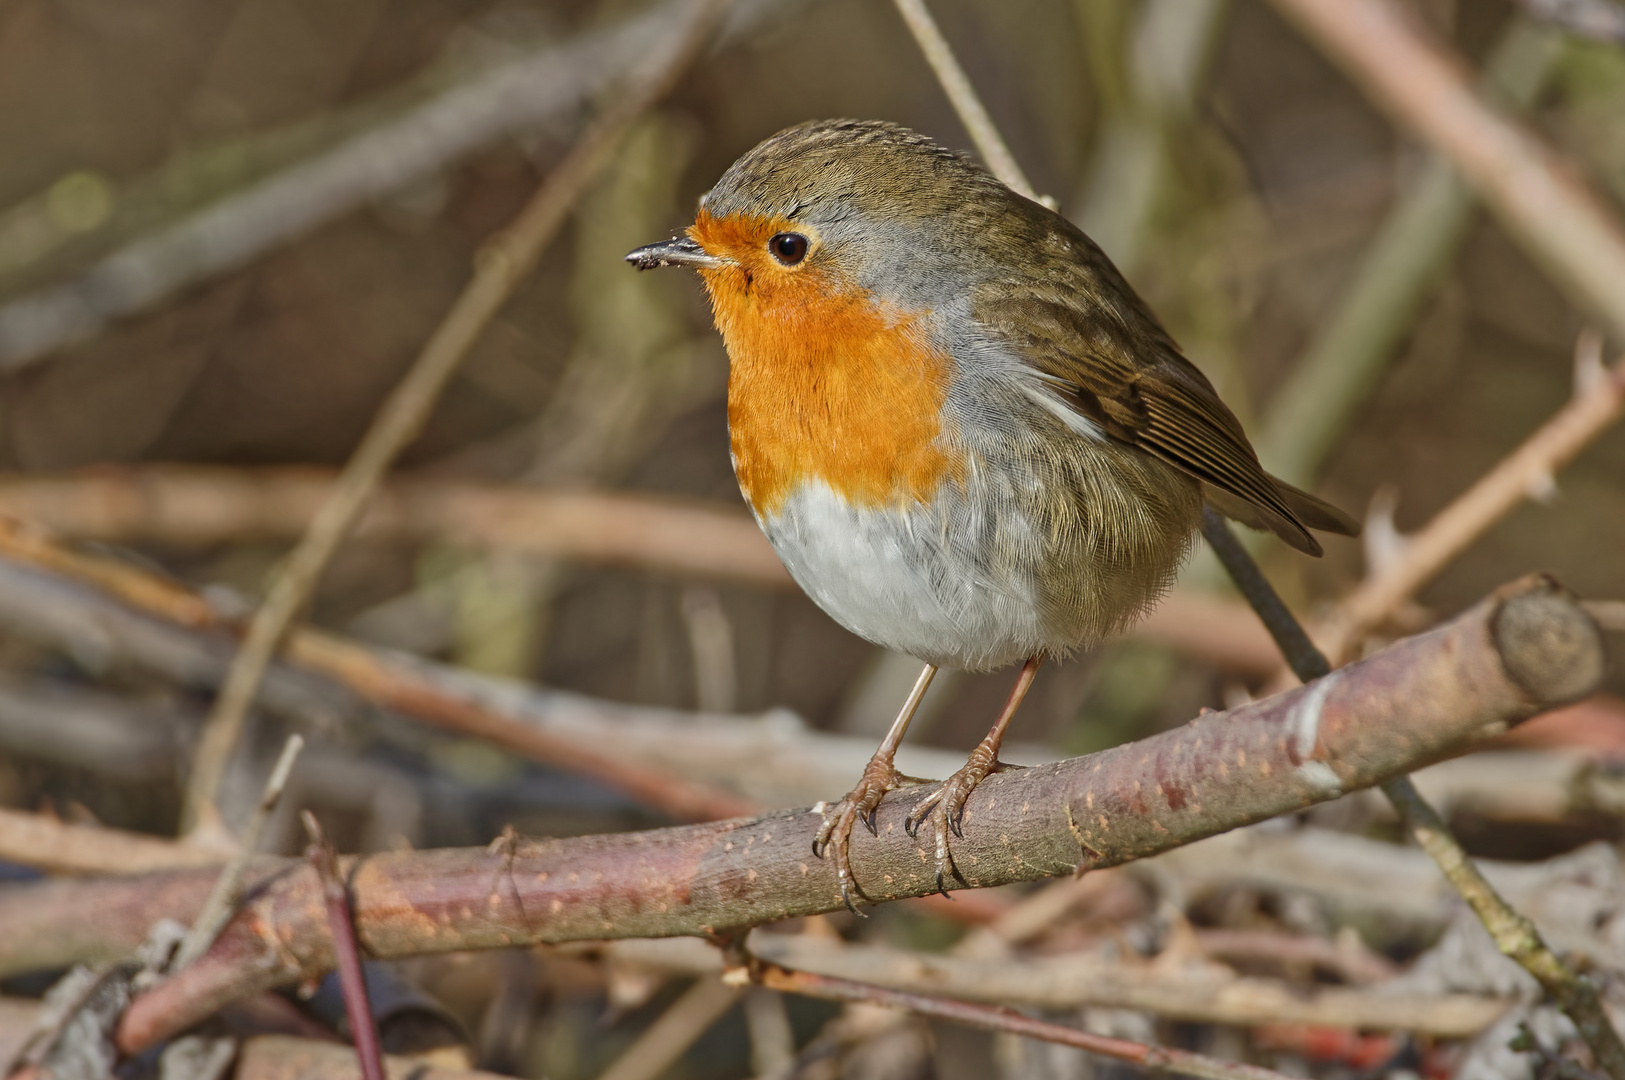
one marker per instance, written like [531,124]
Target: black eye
[788,247]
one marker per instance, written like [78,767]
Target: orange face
[824,382]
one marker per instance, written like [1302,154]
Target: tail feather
[1308,512]
[1314,511]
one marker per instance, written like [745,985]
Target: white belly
[901,579]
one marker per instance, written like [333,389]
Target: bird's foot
[835,835]
[945,808]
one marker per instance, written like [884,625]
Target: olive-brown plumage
[964,433]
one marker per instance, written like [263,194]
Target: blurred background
[1243,184]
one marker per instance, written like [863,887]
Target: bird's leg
[946,805]
[879,777]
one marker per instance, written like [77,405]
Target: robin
[965,435]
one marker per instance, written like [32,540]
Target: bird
[966,436]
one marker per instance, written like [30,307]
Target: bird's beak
[678,251]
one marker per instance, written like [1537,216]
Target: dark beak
[678,251]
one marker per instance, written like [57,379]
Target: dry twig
[346,952]
[222,902]
[505,714]
[60,848]
[962,95]
[499,267]
[1196,993]
[205,505]
[991,1018]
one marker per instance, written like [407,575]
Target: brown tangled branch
[1421,700]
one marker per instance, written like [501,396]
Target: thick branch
[1421,700]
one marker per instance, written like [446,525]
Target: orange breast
[823,384]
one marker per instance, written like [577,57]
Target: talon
[942,886]
[869,821]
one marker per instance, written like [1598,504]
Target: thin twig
[222,902]
[679,1027]
[992,1018]
[1598,401]
[1537,195]
[1307,662]
[499,268]
[347,952]
[1147,81]
[962,95]
[1210,993]
[1514,935]
[507,714]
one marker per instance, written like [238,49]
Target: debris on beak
[678,251]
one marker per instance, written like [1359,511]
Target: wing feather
[1101,351]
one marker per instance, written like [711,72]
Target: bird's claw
[862,803]
[945,807]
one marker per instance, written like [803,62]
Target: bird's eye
[788,247]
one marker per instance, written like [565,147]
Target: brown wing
[1080,324]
